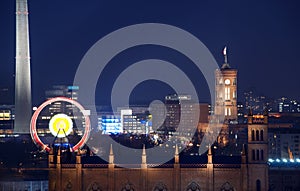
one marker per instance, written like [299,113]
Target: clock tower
[226,91]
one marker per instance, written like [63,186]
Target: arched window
[253,154]
[257,135]
[258,185]
[68,186]
[226,187]
[160,187]
[94,187]
[257,154]
[252,135]
[128,187]
[261,135]
[193,186]
[262,154]
[227,93]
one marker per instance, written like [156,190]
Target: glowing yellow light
[60,125]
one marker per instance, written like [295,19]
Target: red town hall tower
[226,91]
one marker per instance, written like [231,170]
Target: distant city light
[288,161]
[284,160]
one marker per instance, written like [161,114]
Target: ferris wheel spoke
[53,142]
[67,138]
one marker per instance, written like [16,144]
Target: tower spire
[176,154]
[225,65]
[144,158]
[209,155]
[22,75]
[111,155]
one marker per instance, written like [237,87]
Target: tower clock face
[227,81]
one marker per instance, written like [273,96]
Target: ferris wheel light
[60,125]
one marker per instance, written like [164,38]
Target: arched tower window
[257,135]
[253,154]
[193,186]
[257,154]
[227,93]
[262,154]
[258,185]
[252,135]
[261,135]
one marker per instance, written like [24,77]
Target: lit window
[227,93]
[234,94]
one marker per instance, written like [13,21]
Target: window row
[257,155]
[228,95]
[257,135]
[193,186]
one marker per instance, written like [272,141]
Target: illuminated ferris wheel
[60,121]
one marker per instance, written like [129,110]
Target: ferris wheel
[60,120]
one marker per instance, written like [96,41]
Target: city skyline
[261,41]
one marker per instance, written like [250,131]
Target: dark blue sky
[262,38]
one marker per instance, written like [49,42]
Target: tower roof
[225,65]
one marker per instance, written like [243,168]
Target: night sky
[262,38]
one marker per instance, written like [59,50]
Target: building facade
[249,171]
